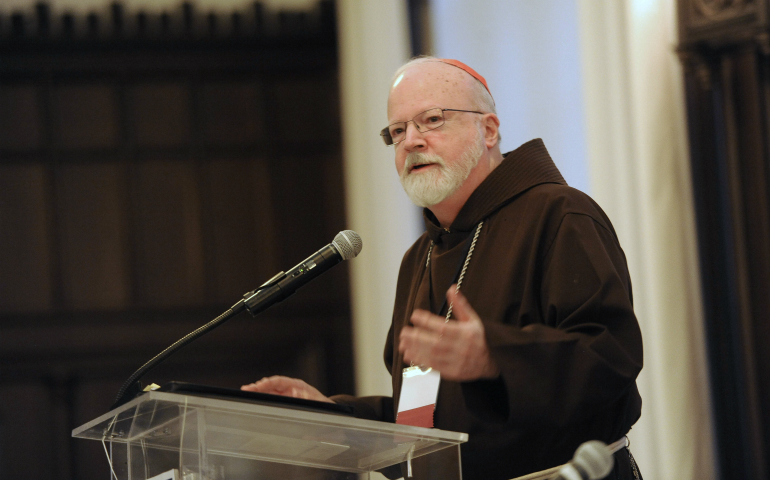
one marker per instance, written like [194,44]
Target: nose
[414,139]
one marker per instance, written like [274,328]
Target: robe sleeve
[584,352]
[374,407]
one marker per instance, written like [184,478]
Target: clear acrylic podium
[172,436]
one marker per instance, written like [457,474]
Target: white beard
[426,189]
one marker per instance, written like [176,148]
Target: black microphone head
[595,459]
[348,243]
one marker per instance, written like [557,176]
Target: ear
[491,125]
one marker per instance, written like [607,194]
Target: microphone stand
[346,244]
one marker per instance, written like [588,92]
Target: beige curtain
[638,157]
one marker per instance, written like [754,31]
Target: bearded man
[541,350]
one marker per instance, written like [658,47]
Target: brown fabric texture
[550,282]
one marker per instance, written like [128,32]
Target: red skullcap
[471,72]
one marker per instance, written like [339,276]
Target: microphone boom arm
[346,245]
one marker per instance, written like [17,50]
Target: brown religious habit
[550,283]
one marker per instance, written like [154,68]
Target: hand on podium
[288,387]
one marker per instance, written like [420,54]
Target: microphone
[346,245]
[592,461]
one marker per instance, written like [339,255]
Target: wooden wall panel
[93,232]
[755,179]
[239,227]
[302,107]
[21,126]
[161,114]
[169,252]
[26,262]
[231,113]
[150,174]
[300,227]
[26,423]
[86,116]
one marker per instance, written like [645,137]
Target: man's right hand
[288,387]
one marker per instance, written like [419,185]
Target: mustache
[417,158]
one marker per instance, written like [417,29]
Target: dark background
[153,169]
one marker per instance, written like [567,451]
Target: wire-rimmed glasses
[428,120]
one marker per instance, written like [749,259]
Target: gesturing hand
[288,387]
[456,349]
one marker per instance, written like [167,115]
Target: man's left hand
[456,349]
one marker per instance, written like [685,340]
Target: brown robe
[550,282]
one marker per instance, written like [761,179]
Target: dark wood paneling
[239,226]
[301,227]
[302,106]
[167,231]
[231,113]
[26,280]
[161,114]
[86,116]
[91,203]
[26,425]
[21,125]
[152,170]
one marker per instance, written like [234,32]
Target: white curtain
[529,54]
[640,174]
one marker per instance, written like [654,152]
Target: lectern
[173,436]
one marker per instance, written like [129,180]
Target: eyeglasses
[428,120]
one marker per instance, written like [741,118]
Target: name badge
[417,402]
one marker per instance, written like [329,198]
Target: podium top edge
[273,412]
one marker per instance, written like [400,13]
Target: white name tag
[417,402]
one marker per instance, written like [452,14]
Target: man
[543,348]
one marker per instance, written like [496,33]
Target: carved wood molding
[697,65]
[720,9]
[763,41]
[183,23]
[721,22]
